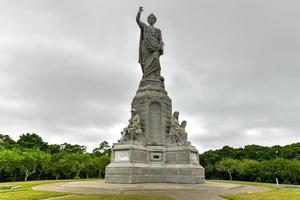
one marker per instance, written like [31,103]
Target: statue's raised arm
[138,18]
[151,46]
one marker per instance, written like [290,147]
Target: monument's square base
[154,173]
[154,164]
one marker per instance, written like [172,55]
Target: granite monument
[154,147]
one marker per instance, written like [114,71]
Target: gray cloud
[68,70]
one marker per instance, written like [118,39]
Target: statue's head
[176,114]
[183,124]
[151,19]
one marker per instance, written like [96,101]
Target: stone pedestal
[155,156]
[155,108]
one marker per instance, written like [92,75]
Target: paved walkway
[207,191]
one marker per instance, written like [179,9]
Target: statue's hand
[141,9]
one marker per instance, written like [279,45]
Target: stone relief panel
[133,131]
[194,159]
[121,156]
[178,130]
[155,129]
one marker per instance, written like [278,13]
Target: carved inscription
[155,132]
[121,155]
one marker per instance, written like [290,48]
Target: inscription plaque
[155,132]
[121,155]
[194,159]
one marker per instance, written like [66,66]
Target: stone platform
[152,164]
[207,190]
[149,151]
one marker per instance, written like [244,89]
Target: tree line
[30,158]
[254,163]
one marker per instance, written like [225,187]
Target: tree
[31,160]
[103,149]
[72,148]
[249,169]
[54,148]
[291,151]
[89,166]
[228,165]
[256,152]
[209,157]
[74,163]
[61,165]
[32,141]
[9,162]
[293,171]
[54,166]
[100,164]
[6,142]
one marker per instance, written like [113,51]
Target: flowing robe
[178,131]
[133,130]
[150,48]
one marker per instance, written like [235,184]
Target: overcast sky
[69,71]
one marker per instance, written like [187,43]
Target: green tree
[228,165]
[256,152]
[10,162]
[75,163]
[63,165]
[32,159]
[103,149]
[293,171]
[89,165]
[32,141]
[291,151]
[100,164]
[6,142]
[54,148]
[72,148]
[249,169]
[55,167]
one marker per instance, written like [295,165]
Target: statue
[153,146]
[178,130]
[181,137]
[133,130]
[151,46]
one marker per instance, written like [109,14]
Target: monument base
[154,173]
[154,164]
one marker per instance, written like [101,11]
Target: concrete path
[207,191]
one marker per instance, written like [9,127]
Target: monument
[154,146]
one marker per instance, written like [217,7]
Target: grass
[27,193]
[29,184]
[273,194]
[267,185]
[117,197]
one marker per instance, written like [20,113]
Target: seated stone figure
[178,130]
[133,130]
[182,135]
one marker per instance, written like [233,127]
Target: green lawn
[268,185]
[116,197]
[27,193]
[274,194]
